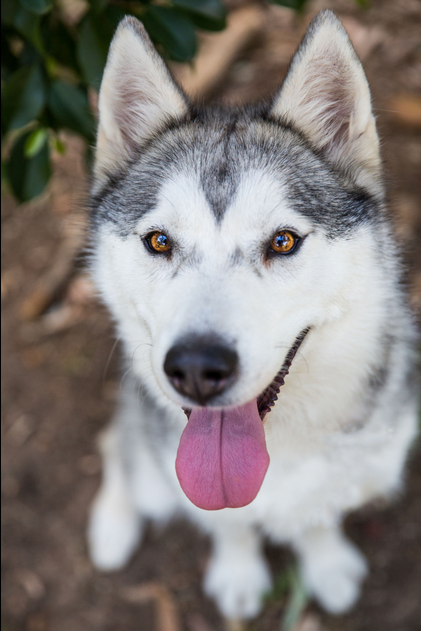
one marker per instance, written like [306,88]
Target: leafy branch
[53,56]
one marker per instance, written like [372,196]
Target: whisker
[379,109]
[109,358]
[130,368]
[123,377]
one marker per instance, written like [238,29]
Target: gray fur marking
[219,147]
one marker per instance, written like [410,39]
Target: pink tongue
[222,457]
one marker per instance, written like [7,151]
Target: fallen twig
[54,280]
[166,608]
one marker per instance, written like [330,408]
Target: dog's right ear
[137,97]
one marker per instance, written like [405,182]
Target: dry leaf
[81,290]
[32,584]
[406,109]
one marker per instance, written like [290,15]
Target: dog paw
[335,580]
[237,586]
[113,533]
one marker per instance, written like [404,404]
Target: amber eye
[284,242]
[158,242]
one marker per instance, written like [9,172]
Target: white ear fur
[137,97]
[326,96]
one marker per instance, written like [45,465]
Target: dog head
[223,236]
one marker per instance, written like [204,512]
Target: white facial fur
[258,305]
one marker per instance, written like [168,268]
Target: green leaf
[98,5]
[9,62]
[92,51]
[23,97]
[8,11]
[209,15]
[27,24]
[290,4]
[212,9]
[69,106]
[281,586]
[94,40]
[206,24]
[35,142]
[37,6]
[28,176]
[59,43]
[363,4]
[174,31]
[58,145]
[29,55]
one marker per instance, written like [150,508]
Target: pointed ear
[326,96]
[137,97]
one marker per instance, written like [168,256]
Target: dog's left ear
[138,97]
[326,96]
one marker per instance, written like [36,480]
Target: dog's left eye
[284,242]
[157,242]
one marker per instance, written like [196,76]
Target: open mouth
[222,457]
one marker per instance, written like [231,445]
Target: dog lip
[267,399]
[269,396]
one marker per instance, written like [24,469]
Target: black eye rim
[271,253]
[147,241]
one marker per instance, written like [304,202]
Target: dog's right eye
[157,242]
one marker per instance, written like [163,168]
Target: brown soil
[60,383]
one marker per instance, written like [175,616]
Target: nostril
[176,374]
[213,375]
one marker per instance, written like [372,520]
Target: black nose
[200,368]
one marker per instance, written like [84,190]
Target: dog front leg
[237,576]
[115,525]
[332,568]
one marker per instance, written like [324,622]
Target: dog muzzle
[222,457]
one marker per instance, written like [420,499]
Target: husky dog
[251,267]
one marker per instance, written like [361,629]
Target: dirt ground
[61,378]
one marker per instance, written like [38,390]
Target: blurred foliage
[53,54]
[297,600]
[288,588]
